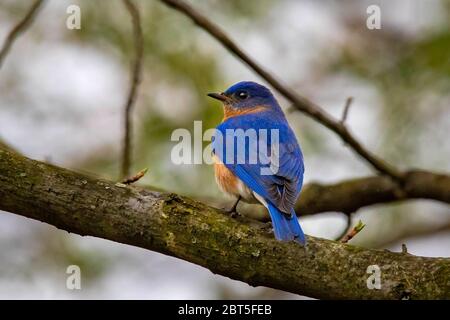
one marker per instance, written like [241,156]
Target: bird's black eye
[242,95]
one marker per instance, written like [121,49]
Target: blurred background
[62,94]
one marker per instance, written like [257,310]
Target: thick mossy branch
[6,146]
[180,227]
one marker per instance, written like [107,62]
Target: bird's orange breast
[226,180]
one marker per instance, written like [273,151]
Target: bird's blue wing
[282,187]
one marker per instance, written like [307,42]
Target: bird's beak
[218,96]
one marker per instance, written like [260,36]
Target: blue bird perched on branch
[257,157]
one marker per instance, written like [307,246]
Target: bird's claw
[234,214]
[267,226]
[233,210]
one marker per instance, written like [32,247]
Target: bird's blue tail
[286,228]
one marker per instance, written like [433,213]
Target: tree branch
[300,103]
[353,232]
[134,84]
[348,103]
[236,248]
[19,28]
[350,195]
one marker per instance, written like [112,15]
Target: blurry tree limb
[350,195]
[192,231]
[136,74]
[19,28]
[299,102]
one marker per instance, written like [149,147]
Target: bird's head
[246,95]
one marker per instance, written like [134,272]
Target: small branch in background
[19,28]
[299,102]
[353,232]
[347,106]
[136,177]
[353,194]
[134,84]
[347,227]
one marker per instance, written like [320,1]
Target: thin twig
[136,177]
[300,103]
[134,84]
[353,232]
[19,28]
[347,106]
[347,227]
[404,249]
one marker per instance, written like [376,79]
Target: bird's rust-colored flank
[229,112]
[226,180]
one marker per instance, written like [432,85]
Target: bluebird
[275,176]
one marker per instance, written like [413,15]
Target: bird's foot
[267,226]
[233,210]
[234,214]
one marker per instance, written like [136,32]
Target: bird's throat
[230,112]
